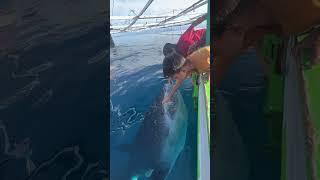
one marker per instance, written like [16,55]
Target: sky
[158,7]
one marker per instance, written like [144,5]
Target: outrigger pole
[138,16]
[187,10]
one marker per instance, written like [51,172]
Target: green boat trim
[309,86]
[311,77]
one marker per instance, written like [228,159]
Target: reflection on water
[53,75]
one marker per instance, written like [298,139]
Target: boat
[202,91]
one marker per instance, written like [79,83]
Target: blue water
[135,81]
[53,89]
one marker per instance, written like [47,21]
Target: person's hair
[168,48]
[172,64]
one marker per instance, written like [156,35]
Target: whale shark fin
[124,147]
[160,173]
[148,173]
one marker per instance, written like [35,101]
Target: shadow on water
[52,123]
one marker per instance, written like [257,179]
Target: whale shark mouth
[170,108]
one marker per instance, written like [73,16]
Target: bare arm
[200,20]
[197,22]
[173,91]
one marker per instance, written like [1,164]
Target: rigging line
[137,17]
[192,7]
[112,6]
[141,17]
[147,17]
[172,24]
[198,2]
[180,14]
[168,12]
[191,19]
[164,26]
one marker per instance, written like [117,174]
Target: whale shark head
[163,132]
[176,116]
[171,108]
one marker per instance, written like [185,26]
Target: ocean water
[53,89]
[136,80]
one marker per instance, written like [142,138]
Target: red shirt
[188,38]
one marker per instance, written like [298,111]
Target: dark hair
[172,64]
[168,48]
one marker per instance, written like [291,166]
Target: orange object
[200,59]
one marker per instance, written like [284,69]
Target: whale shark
[159,140]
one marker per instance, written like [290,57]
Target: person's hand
[166,100]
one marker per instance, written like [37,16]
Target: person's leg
[246,83]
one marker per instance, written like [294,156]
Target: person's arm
[174,90]
[199,20]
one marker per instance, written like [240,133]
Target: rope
[159,24]
[137,17]
[112,6]
[172,24]
[162,23]
[190,8]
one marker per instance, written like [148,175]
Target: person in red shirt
[189,41]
